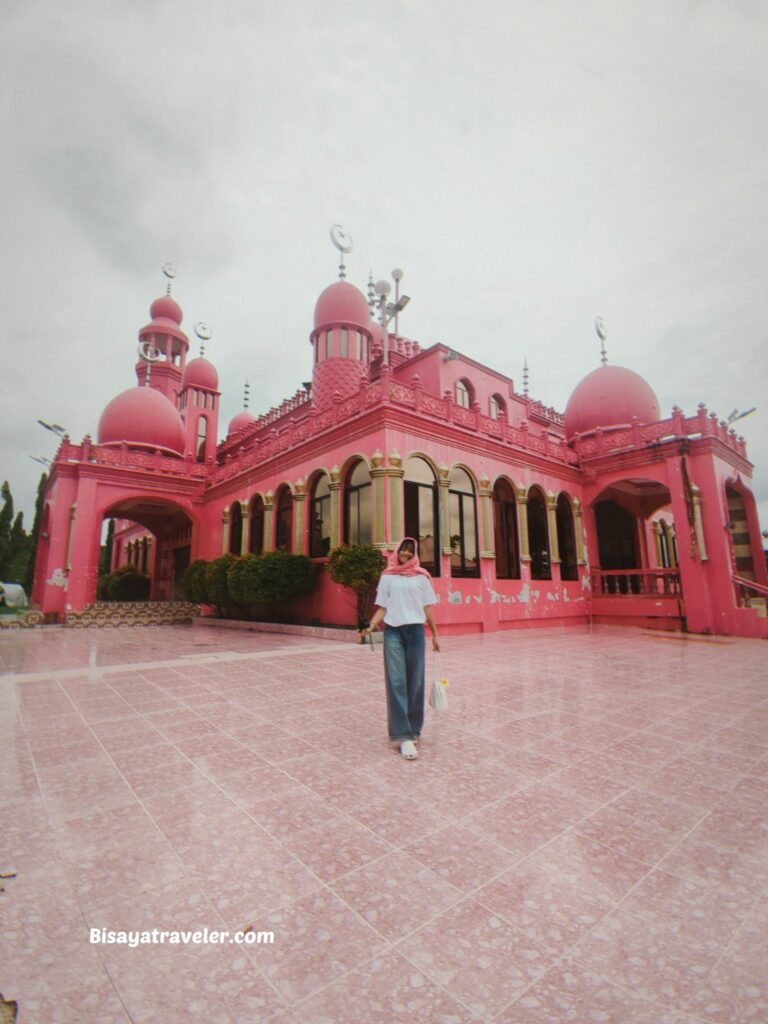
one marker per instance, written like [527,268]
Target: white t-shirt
[404,598]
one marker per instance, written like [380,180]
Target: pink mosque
[608,513]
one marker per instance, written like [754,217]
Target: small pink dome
[243,419]
[610,396]
[142,418]
[342,303]
[199,373]
[166,308]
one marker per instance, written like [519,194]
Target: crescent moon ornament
[169,270]
[203,331]
[341,239]
[148,352]
[600,328]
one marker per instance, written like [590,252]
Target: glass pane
[322,486]
[359,475]
[320,527]
[470,537]
[454,511]
[461,481]
[365,526]
[419,471]
[462,394]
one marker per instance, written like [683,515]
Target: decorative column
[698,525]
[578,529]
[444,483]
[379,474]
[299,503]
[225,531]
[522,523]
[245,533]
[334,486]
[70,537]
[485,493]
[269,504]
[657,543]
[554,546]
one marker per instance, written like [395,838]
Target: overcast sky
[529,165]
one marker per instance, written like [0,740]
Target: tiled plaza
[583,839]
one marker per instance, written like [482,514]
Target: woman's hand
[435,644]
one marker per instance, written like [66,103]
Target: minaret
[164,335]
[199,402]
[342,335]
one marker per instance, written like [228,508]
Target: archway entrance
[154,536]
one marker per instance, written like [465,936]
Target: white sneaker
[408,750]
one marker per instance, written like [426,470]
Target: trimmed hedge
[124,584]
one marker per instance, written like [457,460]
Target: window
[463,394]
[357,506]
[320,519]
[566,539]
[202,435]
[235,528]
[463,522]
[497,406]
[538,536]
[344,342]
[505,531]
[421,512]
[256,539]
[284,519]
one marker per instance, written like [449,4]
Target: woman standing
[404,598]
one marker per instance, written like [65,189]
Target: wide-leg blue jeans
[404,674]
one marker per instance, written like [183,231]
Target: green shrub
[242,574]
[216,587]
[278,577]
[358,567]
[124,584]
[194,582]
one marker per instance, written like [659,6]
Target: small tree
[105,553]
[358,567]
[194,582]
[279,577]
[39,505]
[216,586]
[242,576]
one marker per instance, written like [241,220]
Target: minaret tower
[342,335]
[164,335]
[199,402]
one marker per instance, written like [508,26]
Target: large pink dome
[142,418]
[241,420]
[342,303]
[199,373]
[610,396]
[166,308]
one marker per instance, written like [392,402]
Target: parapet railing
[129,458]
[637,435]
[636,583]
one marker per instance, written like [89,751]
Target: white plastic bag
[438,695]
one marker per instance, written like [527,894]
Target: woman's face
[405,553]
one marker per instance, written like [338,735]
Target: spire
[525,377]
[170,272]
[203,331]
[602,334]
[246,394]
[343,243]
[371,294]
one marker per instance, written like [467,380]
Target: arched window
[357,506]
[256,538]
[566,539]
[497,406]
[463,522]
[202,435]
[505,531]
[235,528]
[320,518]
[538,536]
[421,519]
[284,519]
[464,394]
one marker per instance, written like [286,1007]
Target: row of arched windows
[465,397]
[421,506]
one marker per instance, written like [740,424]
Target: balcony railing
[636,583]
[747,591]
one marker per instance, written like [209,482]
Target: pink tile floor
[583,839]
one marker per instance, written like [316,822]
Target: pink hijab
[409,568]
